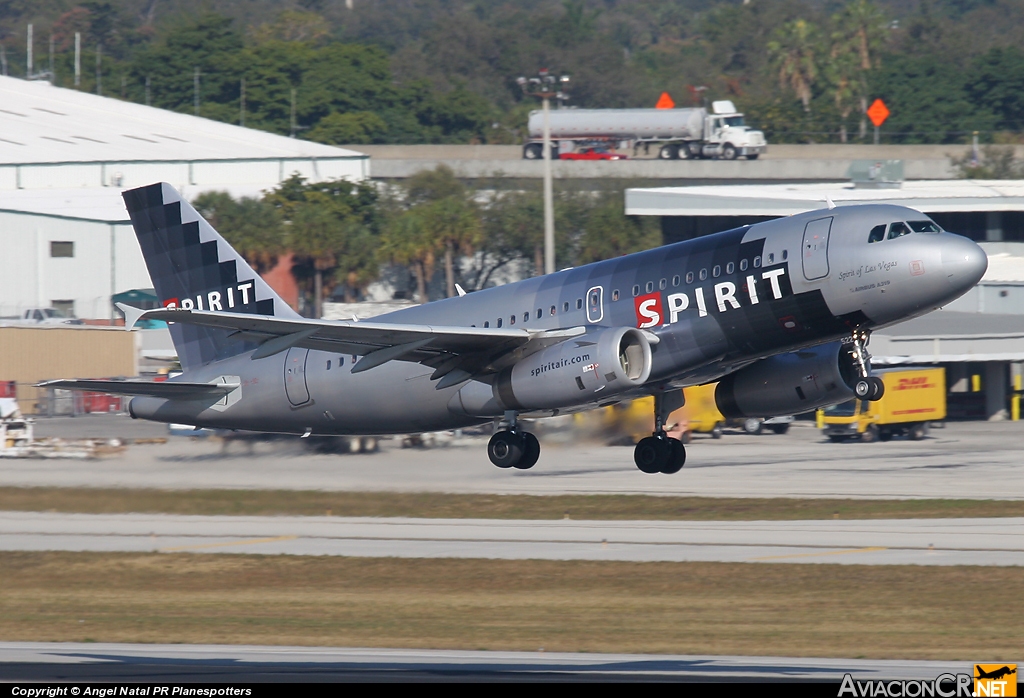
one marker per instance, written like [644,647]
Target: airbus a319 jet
[779,313]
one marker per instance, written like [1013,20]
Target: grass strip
[488,506]
[882,611]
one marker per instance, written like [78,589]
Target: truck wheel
[918,432]
[870,434]
[668,152]
[694,150]
[753,156]
[729,152]
[884,435]
[752,426]
[716,433]
[533,151]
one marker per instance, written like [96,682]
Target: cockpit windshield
[924,226]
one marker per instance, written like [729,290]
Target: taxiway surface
[991,541]
[975,460]
[95,662]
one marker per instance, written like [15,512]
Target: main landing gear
[867,387]
[659,453]
[512,447]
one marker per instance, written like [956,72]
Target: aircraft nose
[963,261]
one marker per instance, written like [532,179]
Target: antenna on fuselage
[830,202]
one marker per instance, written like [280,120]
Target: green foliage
[252,226]
[993,162]
[353,127]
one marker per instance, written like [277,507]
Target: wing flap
[168,389]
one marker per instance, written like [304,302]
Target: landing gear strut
[659,453]
[512,447]
[867,387]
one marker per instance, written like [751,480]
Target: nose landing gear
[867,387]
[513,448]
[659,453]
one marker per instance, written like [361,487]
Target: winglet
[131,314]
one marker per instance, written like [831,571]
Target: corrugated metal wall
[32,354]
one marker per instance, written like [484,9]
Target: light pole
[546,86]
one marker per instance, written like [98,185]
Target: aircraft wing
[459,351]
[176,390]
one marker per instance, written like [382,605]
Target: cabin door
[295,376]
[815,249]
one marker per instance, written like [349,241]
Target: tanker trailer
[686,133]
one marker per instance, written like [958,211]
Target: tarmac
[985,541]
[108,662]
[964,460]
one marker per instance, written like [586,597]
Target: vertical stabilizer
[192,266]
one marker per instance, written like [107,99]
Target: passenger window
[579,303]
[328,364]
[487,323]
[743,265]
[615,295]
[877,234]
[636,291]
[650,286]
[540,313]
[925,227]
[511,320]
[663,284]
[553,310]
[703,274]
[717,271]
[565,307]
[898,230]
[730,268]
[526,316]
[771,257]
[689,277]
[757,262]
[498,323]
[785,254]
[675,280]
[341,361]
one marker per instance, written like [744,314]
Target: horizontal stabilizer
[171,390]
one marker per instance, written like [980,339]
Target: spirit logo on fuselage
[651,312]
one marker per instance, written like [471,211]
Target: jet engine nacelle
[571,373]
[789,383]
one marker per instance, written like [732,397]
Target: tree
[252,226]
[405,242]
[453,224]
[794,54]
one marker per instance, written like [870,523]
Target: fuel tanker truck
[681,133]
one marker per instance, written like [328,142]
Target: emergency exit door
[815,249]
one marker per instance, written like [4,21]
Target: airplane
[995,674]
[779,312]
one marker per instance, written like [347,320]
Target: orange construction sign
[878,112]
[665,102]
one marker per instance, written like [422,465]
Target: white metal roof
[787,199]
[41,123]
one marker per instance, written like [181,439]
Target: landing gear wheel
[531,452]
[505,449]
[877,389]
[677,457]
[652,454]
[863,389]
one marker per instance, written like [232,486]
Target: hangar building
[65,157]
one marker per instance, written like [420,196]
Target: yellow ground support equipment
[913,398]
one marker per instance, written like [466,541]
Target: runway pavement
[904,541]
[96,662]
[978,460]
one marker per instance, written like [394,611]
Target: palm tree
[861,31]
[405,242]
[452,224]
[794,54]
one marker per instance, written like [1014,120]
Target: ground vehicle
[591,154]
[913,398]
[46,316]
[682,133]
[779,425]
